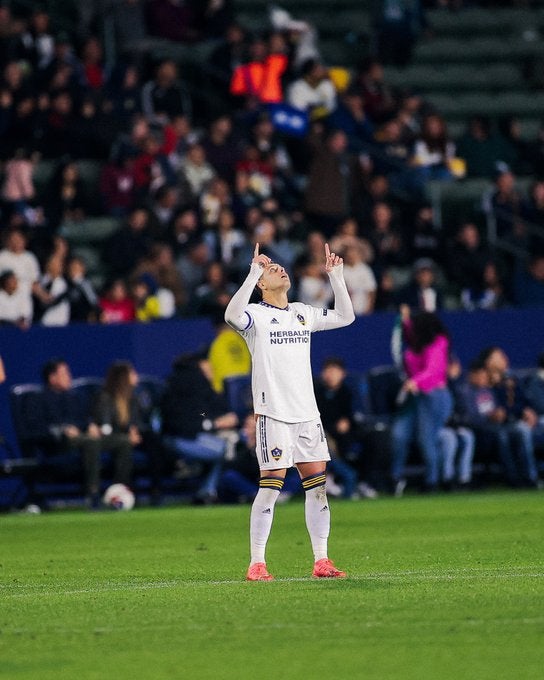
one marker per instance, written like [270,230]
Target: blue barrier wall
[89,349]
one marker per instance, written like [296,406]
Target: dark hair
[476,365]
[334,361]
[117,382]
[484,355]
[426,327]
[6,276]
[51,367]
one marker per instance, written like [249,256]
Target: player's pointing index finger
[256,251]
[327,251]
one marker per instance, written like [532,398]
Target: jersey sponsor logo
[301,319]
[289,337]
[276,453]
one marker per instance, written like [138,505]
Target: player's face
[274,277]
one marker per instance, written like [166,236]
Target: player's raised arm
[235,313]
[342,314]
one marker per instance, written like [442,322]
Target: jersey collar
[265,304]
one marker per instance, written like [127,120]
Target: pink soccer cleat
[258,572]
[325,568]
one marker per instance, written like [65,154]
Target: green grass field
[438,587]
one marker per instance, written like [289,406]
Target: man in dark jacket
[196,421]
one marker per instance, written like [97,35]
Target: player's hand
[331,260]
[261,260]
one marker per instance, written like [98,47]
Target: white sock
[318,520]
[262,514]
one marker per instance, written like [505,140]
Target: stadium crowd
[269,145]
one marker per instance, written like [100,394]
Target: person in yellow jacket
[228,356]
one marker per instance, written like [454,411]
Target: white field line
[464,574]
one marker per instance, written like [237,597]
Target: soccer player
[289,429]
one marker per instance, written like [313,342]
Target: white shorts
[282,445]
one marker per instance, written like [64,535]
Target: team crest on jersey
[276,453]
[301,319]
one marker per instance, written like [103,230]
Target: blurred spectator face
[140,129]
[167,74]
[352,256]
[316,243]
[40,22]
[215,275]
[382,216]
[258,50]
[378,187]
[70,173]
[433,126]
[349,228]
[196,154]
[16,242]
[333,375]
[505,182]
[337,142]
[234,34]
[92,51]
[265,232]
[54,266]
[10,283]
[61,378]
[222,127]
[140,291]
[13,75]
[497,365]
[469,236]
[538,194]
[182,126]
[491,275]
[242,182]
[186,222]
[425,277]
[537,268]
[277,43]
[118,291]
[199,253]
[225,221]
[62,104]
[25,107]
[253,217]
[392,131]
[425,215]
[478,377]
[76,269]
[137,220]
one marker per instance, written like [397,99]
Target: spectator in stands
[193,263]
[259,80]
[196,170]
[222,148]
[467,257]
[335,402]
[224,59]
[66,197]
[422,293]
[313,92]
[479,148]
[123,94]
[239,477]
[228,354]
[183,230]
[223,238]
[517,150]
[117,415]
[378,98]
[194,416]
[491,294]
[15,304]
[56,311]
[116,305]
[15,257]
[503,204]
[117,185]
[215,196]
[81,295]
[161,265]
[164,96]
[37,45]
[360,279]
[63,424]
[172,19]
[433,150]
[92,61]
[146,301]
[424,238]
[386,238]
[163,207]
[514,411]
[532,211]
[534,392]
[18,192]
[427,400]
[214,293]
[330,180]
[529,283]
[350,116]
[313,285]
[59,137]
[398,25]
[130,243]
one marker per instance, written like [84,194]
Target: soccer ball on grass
[118,497]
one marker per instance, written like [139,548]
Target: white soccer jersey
[279,341]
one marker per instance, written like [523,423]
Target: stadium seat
[90,230]
[384,383]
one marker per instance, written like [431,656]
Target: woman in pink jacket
[428,402]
